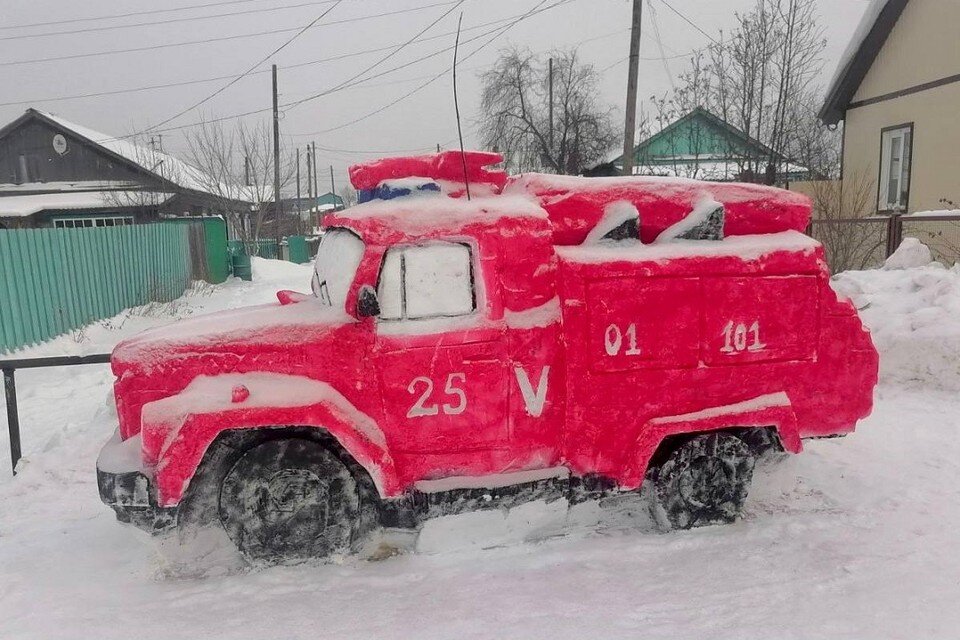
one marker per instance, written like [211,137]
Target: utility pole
[438,147]
[316,184]
[629,125]
[333,186]
[310,193]
[277,205]
[299,212]
[550,83]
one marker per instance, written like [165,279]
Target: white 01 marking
[420,408]
[613,340]
[534,400]
[735,336]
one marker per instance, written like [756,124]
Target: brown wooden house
[54,173]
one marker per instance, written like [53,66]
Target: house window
[429,281]
[95,221]
[896,149]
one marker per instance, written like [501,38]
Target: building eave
[847,80]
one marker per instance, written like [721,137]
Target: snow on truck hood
[262,324]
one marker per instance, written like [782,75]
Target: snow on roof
[27,205]
[705,169]
[743,247]
[170,168]
[664,186]
[878,20]
[71,185]
[870,15]
[420,215]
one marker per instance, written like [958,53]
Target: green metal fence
[56,280]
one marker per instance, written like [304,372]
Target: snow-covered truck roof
[404,199]
[575,205]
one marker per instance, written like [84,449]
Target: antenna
[456,106]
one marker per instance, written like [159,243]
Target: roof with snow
[163,166]
[877,23]
[27,205]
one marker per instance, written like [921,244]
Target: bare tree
[212,148]
[515,113]
[148,201]
[850,239]
[348,194]
[236,168]
[761,78]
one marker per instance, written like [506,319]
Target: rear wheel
[704,481]
[289,500]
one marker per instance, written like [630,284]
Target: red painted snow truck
[542,337]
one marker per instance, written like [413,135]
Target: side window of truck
[427,281]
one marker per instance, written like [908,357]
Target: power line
[656,33]
[690,22]
[126,15]
[522,17]
[47,34]
[386,57]
[432,77]
[445,71]
[168,45]
[183,83]
[255,65]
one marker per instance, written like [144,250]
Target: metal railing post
[9,368]
[13,419]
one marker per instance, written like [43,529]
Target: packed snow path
[855,538]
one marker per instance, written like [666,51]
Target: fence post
[894,232]
[13,420]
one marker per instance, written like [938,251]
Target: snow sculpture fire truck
[545,337]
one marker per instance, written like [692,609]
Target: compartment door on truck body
[755,319]
[441,359]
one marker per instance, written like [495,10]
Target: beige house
[897,90]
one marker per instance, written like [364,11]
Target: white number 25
[420,408]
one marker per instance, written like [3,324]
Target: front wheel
[289,500]
[704,481]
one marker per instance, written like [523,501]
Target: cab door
[441,358]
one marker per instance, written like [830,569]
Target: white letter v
[534,401]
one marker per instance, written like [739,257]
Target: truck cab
[544,337]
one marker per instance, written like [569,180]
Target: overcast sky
[416,123]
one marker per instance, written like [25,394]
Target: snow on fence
[55,280]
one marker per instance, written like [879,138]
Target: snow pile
[911,253]
[914,317]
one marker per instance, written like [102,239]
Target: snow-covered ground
[856,538]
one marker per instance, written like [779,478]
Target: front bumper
[125,486]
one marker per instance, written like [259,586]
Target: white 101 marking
[613,340]
[735,337]
[420,408]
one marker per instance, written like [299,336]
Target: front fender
[178,430]
[771,410]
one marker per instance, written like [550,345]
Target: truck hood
[241,331]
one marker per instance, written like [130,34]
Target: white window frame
[400,251]
[115,221]
[895,170]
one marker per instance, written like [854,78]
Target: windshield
[337,260]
